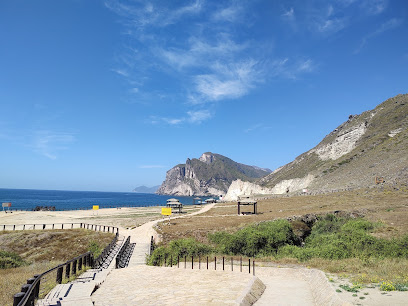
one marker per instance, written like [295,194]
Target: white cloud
[231,13]
[141,15]
[305,66]
[121,72]
[228,81]
[173,121]
[291,69]
[258,126]
[151,166]
[48,143]
[198,116]
[253,128]
[193,116]
[386,26]
[374,7]
[208,62]
[331,25]
[201,53]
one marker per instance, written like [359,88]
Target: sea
[29,199]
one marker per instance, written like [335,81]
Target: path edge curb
[253,291]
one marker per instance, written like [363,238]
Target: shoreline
[122,217]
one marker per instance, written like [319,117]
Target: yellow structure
[166,211]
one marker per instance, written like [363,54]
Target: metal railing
[105,253]
[123,254]
[31,290]
[168,261]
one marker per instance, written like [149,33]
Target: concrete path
[147,285]
[284,287]
[141,236]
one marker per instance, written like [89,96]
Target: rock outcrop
[211,174]
[239,188]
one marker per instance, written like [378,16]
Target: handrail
[86,259]
[122,254]
[31,294]
[105,253]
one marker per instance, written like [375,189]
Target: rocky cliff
[372,144]
[211,174]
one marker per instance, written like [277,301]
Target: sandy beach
[124,218]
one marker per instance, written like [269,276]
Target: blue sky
[109,95]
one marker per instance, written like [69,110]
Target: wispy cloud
[374,7]
[291,69]
[121,72]
[327,20]
[141,14]
[193,116]
[206,63]
[49,143]
[151,166]
[198,116]
[386,26]
[231,13]
[256,127]
[228,81]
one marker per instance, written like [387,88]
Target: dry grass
[43,250]
[391,208]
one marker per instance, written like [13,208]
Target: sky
[107,95]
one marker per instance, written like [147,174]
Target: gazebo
[246,200]
[174,203]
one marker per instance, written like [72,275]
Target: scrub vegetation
[335,244]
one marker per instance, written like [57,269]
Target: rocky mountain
[144,189]
[371,145]
[211,174]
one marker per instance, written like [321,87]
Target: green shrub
[262,239]
[95,248]
[181,247]
[10,260]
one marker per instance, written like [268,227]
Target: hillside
[145,189]
[211,174]
[372,144]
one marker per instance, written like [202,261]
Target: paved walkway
[147,285]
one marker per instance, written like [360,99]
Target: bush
[95,248]
[10,260]
[262,239]
[181,247]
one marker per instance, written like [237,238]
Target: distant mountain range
[144,189]
[211,174]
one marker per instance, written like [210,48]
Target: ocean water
[28,199]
